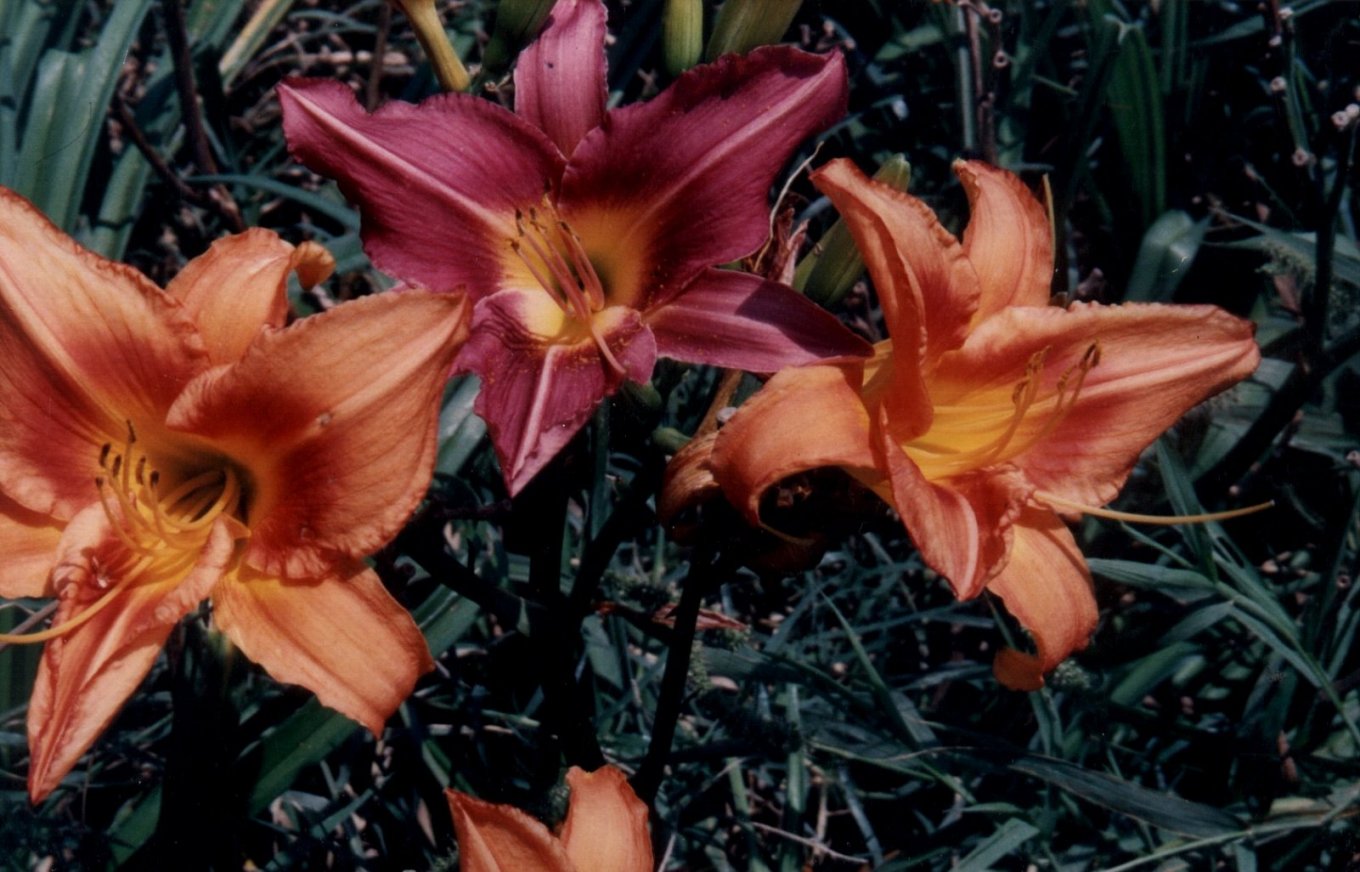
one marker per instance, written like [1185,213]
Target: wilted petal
[926,286]
[80,337]
[86,674]
[803,419]
[334,419]
[560,77]
[1155,362]
[682,180]
[542,379]
[501,838]
[438,183]
[1008,239]
[1046,585]
[28,543]
[961,525]
[606,826]
[235,289]
[341,636]
[740,321]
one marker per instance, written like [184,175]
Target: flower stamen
[1057,503]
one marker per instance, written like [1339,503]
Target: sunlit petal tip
[606,825]
[501,838]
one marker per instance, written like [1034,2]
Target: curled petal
[28,542]
[740,321]
[462,159]
[85,675]
[543,375]
[334,420]
[688,481]
[1153,363]
[606,825]
[1008,239]
[961,525]
[86,346]
[683,179]
[501,838]
[560,77]
[235,289]
[802,419]
[341,636]
[1046,585]
[926,285]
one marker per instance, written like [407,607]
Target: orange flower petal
[606,825]
[343,637]
[334,418]
[28,542]
[85,346]
[688,481]
[1008,239]
[926,285]
[1046,585]
[85,675]
[501,838]
[1155,363]
[235,289]
[962,525]
[802,419]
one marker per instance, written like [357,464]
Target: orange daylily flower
[160,447]
[605,830]
[989,415]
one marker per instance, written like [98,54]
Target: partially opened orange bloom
[161,447]
[989,413]
[605,830]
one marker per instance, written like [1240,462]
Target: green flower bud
[682,29]
[744,24]
[517,22]
[448,68]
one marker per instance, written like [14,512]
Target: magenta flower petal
[741,321]
[560,77]
[542,376]
[688,173]
[438,183]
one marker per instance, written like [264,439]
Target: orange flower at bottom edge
[989,415]
[605,830]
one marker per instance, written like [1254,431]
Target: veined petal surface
[85,675]
[606,825]
[438,183]
[1008,239]
[235,289]
[540,385]
[560,77]
[741,321]
[684,177]
[1046,585]
[86,346]
[501,838]
[1155,363]
[28,541]
[341,636]
[334,420]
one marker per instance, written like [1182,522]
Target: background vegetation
[1196,151]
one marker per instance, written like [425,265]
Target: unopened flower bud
[517,22]
[448,68]
[829,272]
[744,24]
[682,29]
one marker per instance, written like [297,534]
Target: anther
[104,454]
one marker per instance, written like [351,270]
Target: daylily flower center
[975,434]
[162,529]
[557,259]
